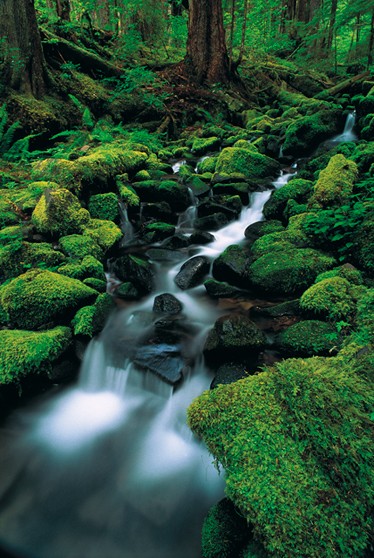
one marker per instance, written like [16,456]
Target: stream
[109,468]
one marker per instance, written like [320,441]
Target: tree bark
[63,9]
[207,58]
[371,41]
[22,64]
[334,5]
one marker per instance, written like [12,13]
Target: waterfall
[348,133]
[126,226]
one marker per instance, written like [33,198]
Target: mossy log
[342,86]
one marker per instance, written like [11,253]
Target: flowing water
[109,468]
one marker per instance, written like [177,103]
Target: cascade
[348,133]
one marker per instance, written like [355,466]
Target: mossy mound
[30,352]
[203,145]
[170,191]
[87,267]
[90,320]
[208,164]
[59,213]
[308,131]
[25,198]
[297,189]
[104,206]
[79,245]
[346,271]
[232,266]
[308,338]
[333,298]
[155,232]
[17,257]
[246,162]
[295,445]
[288,271]
[104,233]
[39,297]
[335,183]
[127,192]
[8,213]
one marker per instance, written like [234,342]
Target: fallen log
[342,86]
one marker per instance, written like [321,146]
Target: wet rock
[201,237]
[212,222]
[160,211]
[210,208]
[220,289]
[229,373]
[198,186]
[288,308]
[165,255]
[256,230]
[192,272]
[233,337]
[163,360]
[126,291]
[232,265]
[176,241]
[136,270]
[156,232]
[167,304]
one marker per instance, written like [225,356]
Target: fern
[7,138]
[3,120]
[76,102]
[87,120]
[20,150]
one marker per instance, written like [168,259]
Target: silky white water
[109,468]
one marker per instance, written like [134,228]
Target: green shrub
[297,452]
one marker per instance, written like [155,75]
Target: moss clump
[297,189]
[30,352]
[295,445]
[207,165]
[155,232]
[335,183]
[104,233]
[39,297]
[346,271]
[98,284]
[203,145]
[274,242]
[90,320]
[127,192]
[79,245]
[27,197]
[333,298]
[59,213]
[308,338]
[169,191]
[8,212]
[104,206]
[246,162]
[88,267]
[289,271]
[17,257]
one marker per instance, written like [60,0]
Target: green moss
[333,298]
[8,212]
[203,145]
[98,284]
[88,267]
[297,452]
[104,206]
[104,233]
[296,189]
[363,156]
[288,272]
[78,246]
[17,257]
[246,162]
[273,242]
[27,197]
[127,192]
[143,174]
[346,271]
[59,213]
[335,183]
[308,338]
[39,297]
[308,131]
[207,165]
[166,190]
[30,352]
[155,232]
[90,320]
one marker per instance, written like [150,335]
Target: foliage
[295,445]
[30,352]
[140,80]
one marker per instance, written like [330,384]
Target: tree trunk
[371,41]
[207,58]
[334,5]
[63,9]
[22,64]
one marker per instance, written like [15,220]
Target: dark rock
[167,304]
[288,308]
[198,186]
[210,208]
[220,289]
[211,222]
[176,241]
[192,272]
[233,189]
[126,291]
[136,270]
[165,255]
[256,230]
[231,266]
[201,237]
[233,337]
[163,360]
[229,373]
[160,211]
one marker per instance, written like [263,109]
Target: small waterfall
[187,218]
[176,166]
[126,226]
[200,161]
[348,133]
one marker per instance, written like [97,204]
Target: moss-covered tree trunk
[207,58]
[22,65]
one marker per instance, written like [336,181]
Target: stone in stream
[212,222]
[220,289]
[192,272]
[228,373]
[233,337]
[162,359]
[136,270]
[167,304]
[232,266]
[201,237]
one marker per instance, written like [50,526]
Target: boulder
[247,162]
[135,269]
[59,213]
[220,289]
[308,338]
[167,304]
[163,360]
[192,272]
[232,266]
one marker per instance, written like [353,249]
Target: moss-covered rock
[170,191]
[82,269]
[246,162]
[256,230]
[333,298]
[90,320]
[297,189]
[136,270]
[8,213]
[295,444]
[232,266]
[208,164]
[308,131]
[78,246]
[30,352]
[203,145]
[346,271]
[59,213]
[335,183]
[308,338]
[104,233]
[26,198]
[127,192]
[155,232]
[104,206]
[17,257]
[288,272]
[39,297]
[98,285]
